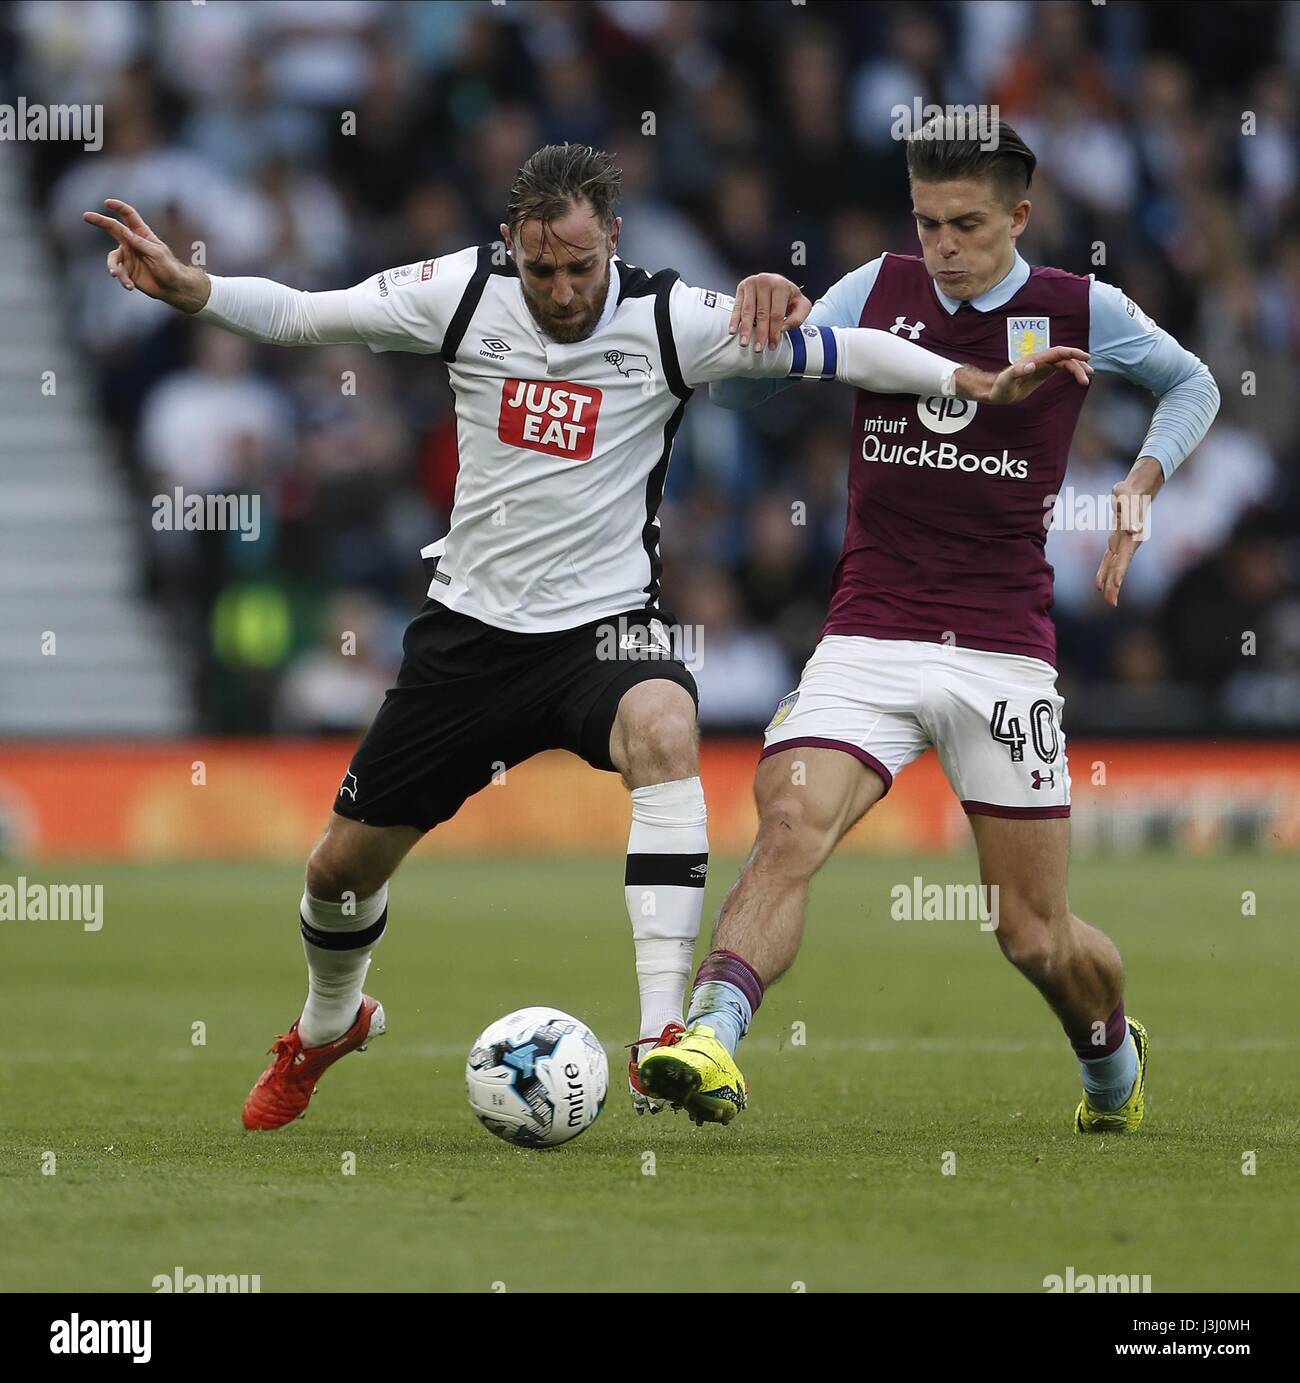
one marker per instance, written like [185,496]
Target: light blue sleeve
[840,306]
[1123,340]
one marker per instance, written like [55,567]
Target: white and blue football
[537,1077]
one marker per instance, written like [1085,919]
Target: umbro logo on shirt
[496,348]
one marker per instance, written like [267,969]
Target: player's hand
[140,260]
[1131,524]
[766,304]
[1018,381]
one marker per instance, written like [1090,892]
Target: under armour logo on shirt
[901,324]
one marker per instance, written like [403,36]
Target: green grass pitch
[919,1040]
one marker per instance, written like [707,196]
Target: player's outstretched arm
[886,364]
[140,260]
[260,309]
[864,356]
[874,360]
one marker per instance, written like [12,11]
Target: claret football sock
[338,939]
[727,994]
[1108,1078]
[667,864]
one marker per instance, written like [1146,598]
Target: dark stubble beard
[574,328]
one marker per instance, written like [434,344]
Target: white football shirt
[563,448]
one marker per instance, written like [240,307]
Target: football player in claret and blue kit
[939,631]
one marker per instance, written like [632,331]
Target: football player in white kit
[542,629]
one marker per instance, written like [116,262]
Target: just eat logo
[558,418]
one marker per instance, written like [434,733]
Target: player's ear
[1020,217]
[613,233]
[505,235]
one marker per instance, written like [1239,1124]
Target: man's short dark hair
[934,155]
[558,177]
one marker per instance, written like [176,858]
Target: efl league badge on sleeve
[1025,335]
[1138,315]
[408,273]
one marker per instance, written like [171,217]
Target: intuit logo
[75,1336]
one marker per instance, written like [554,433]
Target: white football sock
[667,863]
[338,939]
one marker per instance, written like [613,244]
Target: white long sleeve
[268,311]
[886,364]
[874,360]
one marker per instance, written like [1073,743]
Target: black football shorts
[472,700]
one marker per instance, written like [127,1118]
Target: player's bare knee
[1028,937]
[324,879]
[662,750]
[673,745]
[792,836]
[333,877]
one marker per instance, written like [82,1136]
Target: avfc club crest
[1025,335]
[784,707]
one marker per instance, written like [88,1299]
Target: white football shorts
[993,718]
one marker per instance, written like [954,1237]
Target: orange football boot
[284,1090]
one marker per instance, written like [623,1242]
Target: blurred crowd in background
[224,124]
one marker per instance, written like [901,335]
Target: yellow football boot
[697,1073]
[1128,1116]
